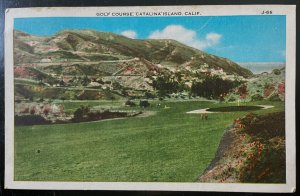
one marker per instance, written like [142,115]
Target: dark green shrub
[81,113]
[144,103]
[130,103]
[31,120]
[256,97]
[274,97]
[276,71]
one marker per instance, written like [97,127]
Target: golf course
[98,106]
[162,144]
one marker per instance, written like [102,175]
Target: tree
[276,71]
[144,103]
[61,83]
[130,103]
[213,87]
[166,85]
[63,98]
[81,112]
[149,95]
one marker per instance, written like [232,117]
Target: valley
[97,106]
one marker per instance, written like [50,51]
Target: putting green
[234,108]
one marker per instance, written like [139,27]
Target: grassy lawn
[171,146]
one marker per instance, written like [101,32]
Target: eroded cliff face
[252,150]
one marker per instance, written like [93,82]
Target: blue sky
[239,38]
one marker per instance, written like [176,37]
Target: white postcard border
[209,10]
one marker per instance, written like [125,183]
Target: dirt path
[146,114]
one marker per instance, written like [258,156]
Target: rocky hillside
[88,45]
[270,86]
[108,61]
[251,151]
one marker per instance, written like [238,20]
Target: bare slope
[251,151]
[129,67]
[88,45]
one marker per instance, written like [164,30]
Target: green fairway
[171,146]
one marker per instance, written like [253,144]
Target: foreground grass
[171,146]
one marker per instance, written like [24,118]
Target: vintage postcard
[180,98]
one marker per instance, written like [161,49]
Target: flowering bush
[21,72]
[268,89]
[281,88]
[256,152]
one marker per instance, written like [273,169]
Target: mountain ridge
[129,67]
[154,50]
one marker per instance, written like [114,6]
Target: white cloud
[212,39]
[129,33]
[187,36]
[177,32]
